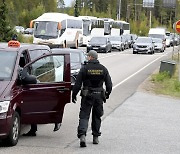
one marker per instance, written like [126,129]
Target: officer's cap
[93,54]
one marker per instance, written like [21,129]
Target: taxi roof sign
[14,43]
[178,26]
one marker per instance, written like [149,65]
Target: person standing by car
[91,78]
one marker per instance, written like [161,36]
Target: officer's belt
[96,92]
[93,90]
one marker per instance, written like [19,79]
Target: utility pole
[150,16]
[135,11]
[119,10]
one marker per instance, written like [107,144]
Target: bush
[177,85]
[161,76]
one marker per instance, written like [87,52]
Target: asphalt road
[128,71]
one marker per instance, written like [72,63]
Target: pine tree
[76,8]
[5,29]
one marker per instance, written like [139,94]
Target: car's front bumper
[98,49]
[142,50]
[5,125]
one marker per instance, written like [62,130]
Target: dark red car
[35,86]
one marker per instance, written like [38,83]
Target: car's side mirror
[26,78]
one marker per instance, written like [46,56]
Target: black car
[99,44]
[77,59]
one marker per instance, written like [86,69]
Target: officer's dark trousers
[33,127]
[94,103]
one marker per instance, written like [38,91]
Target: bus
[57,30]
[116,27]
[92,26]
[119,24]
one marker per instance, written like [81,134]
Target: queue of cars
[29,70]
[107,43]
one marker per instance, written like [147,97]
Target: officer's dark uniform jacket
[91,78]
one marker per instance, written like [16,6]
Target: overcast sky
[68,2]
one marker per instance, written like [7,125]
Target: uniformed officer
[90,81]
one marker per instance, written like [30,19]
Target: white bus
[116,27]
[57,30]
[119,24]
[92,26]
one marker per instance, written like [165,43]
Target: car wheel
[134,52]
[64,44]
[14,133]
[110,50]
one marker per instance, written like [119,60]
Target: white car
[168,41]
[19,29]
[158,45]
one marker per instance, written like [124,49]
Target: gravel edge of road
[147,86]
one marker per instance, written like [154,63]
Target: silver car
[143,45]
[116,42]
[158,44]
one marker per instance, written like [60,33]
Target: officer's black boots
[95,140]
[57,126]
[82,141]
[30,133]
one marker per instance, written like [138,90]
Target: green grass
[25,39]
[166,85]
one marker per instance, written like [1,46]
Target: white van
[158,32]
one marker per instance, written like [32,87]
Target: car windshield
[98,40]
[75,60]
[7,62]
[143,40]
[157,40]
[115,38]
[75,57]
[157,36]
[46,29]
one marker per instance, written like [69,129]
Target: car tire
[110,50]
[76,44]
[122,48]
[134,52]
[64,44]
[12,138]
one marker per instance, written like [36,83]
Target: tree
[5,29]
[76,8]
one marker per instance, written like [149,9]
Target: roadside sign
[148,3]
[178,26]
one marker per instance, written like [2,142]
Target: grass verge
[166,85]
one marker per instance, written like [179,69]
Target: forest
[21,12]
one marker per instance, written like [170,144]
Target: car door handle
[63,89]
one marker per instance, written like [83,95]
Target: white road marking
[137,72]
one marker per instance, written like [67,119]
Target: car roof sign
[14,43]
